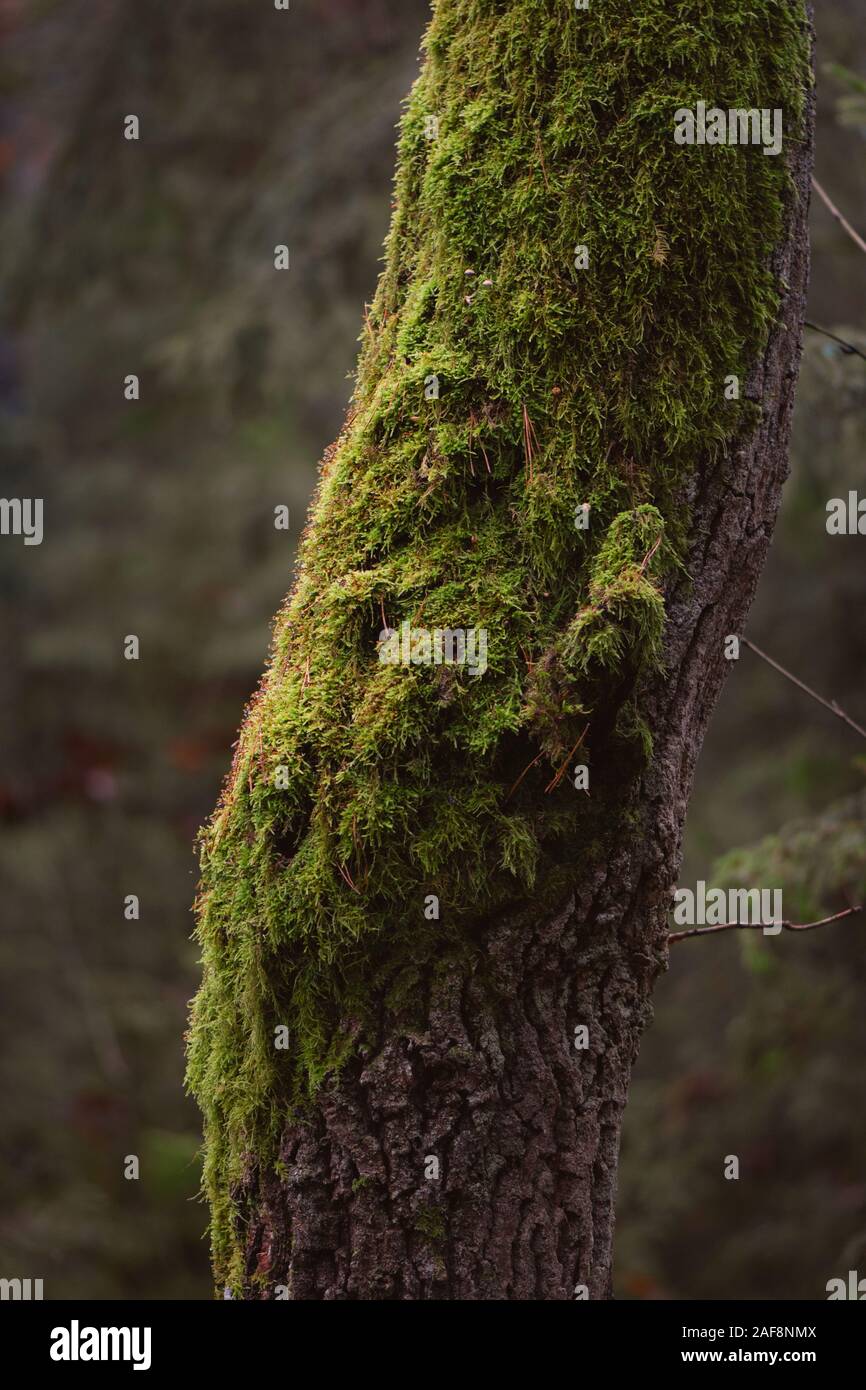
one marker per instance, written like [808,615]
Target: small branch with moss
[674,937]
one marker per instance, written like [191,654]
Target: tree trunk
[445,1122]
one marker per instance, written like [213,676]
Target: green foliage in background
[770,1072]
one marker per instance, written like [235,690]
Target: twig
[650,553]
[834,212]
[528,436]
[523,773]
[831,705]
[676,936]
[344,874]
[552,785]
[848,348]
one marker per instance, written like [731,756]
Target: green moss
[430,1225]
[624,619]
[558,387]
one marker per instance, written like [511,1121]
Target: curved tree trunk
[460,1139]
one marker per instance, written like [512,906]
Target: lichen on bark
[358,788]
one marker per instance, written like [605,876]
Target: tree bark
[491,1081]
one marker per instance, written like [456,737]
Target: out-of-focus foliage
[765,1063]
[156,258]
[851,106]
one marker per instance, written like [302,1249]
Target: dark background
[155,257]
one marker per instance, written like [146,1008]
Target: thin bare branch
[834,212]
[676,936]
[846,347]
[831,705]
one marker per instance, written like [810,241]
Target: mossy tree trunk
[428,947]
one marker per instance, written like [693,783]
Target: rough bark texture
[487,1077]
[526,1126]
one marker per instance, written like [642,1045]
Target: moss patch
[359,788]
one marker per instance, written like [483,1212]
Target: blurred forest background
[155,257]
